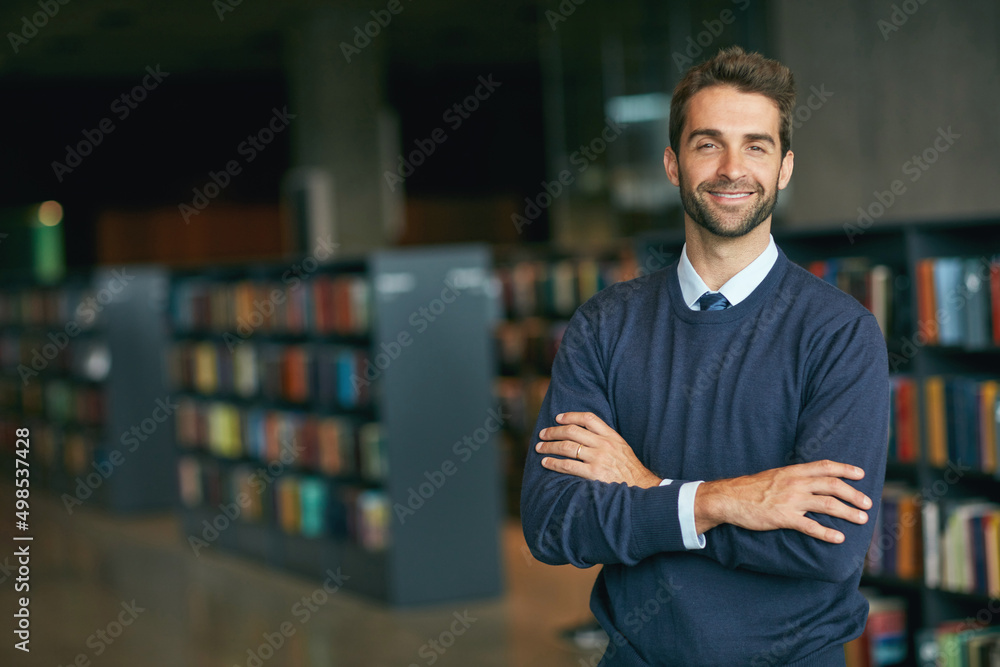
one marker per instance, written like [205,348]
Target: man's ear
[671,166]
[785,172]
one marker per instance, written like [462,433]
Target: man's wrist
[709,506]
[650,481]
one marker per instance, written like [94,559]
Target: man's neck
[718,258]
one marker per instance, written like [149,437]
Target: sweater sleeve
[845,418]
[567,519]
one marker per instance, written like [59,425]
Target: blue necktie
[709,301]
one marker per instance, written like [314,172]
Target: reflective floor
[110,592]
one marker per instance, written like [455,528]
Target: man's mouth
[731,195]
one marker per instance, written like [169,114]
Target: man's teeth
[731,195]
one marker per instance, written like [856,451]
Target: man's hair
[747,73]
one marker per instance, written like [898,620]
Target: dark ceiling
[108,37]
[61,74]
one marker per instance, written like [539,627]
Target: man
[715,433]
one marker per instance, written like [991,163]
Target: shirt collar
[736,288]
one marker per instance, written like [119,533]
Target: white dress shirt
[735,290]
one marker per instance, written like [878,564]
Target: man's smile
[731,196]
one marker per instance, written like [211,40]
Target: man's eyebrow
[752,136]
[704,132]
[758,136]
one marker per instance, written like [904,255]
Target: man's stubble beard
[697,209]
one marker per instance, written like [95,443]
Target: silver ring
[578,452]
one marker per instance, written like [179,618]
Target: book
[312,503]
[886,630]
[888,542]
[931,532]
[991,540]
[909,555]
[977,306]
[288,500]
[881,280]
[189,481]
[995,300]
[964,546]
[883,641]
[246,380]
[331,440]
[987,425]
[373,462]
[904,439]
[926,301]
[948,295]
[936,421]
[373,517]
[960,416]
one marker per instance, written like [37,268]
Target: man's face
[729,168]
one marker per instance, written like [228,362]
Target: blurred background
[283,282]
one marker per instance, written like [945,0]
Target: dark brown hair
[747,73]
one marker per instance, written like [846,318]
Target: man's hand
[593,450]
[780,498]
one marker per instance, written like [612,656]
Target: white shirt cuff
[685,514]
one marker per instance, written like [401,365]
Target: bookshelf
[81,367]
[540,289]
[343,418]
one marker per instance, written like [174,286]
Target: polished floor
[128,592]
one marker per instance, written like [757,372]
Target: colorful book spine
[897,548]
[335,446]
[884,639]
[323,304]
[958,301]
[926,301]
[961,549]
[872,286]
[960,418]
[905,437]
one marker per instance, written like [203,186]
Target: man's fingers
[587,420]
[567,448]
[815,529]
[828,468]
[841,489]
[571,433]
[833,507]
[566,466]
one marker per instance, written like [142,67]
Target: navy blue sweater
[796,372]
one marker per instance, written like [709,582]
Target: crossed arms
[768,500]
[587,498]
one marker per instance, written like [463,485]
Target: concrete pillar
[336,74]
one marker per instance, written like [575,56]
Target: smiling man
[715,433]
